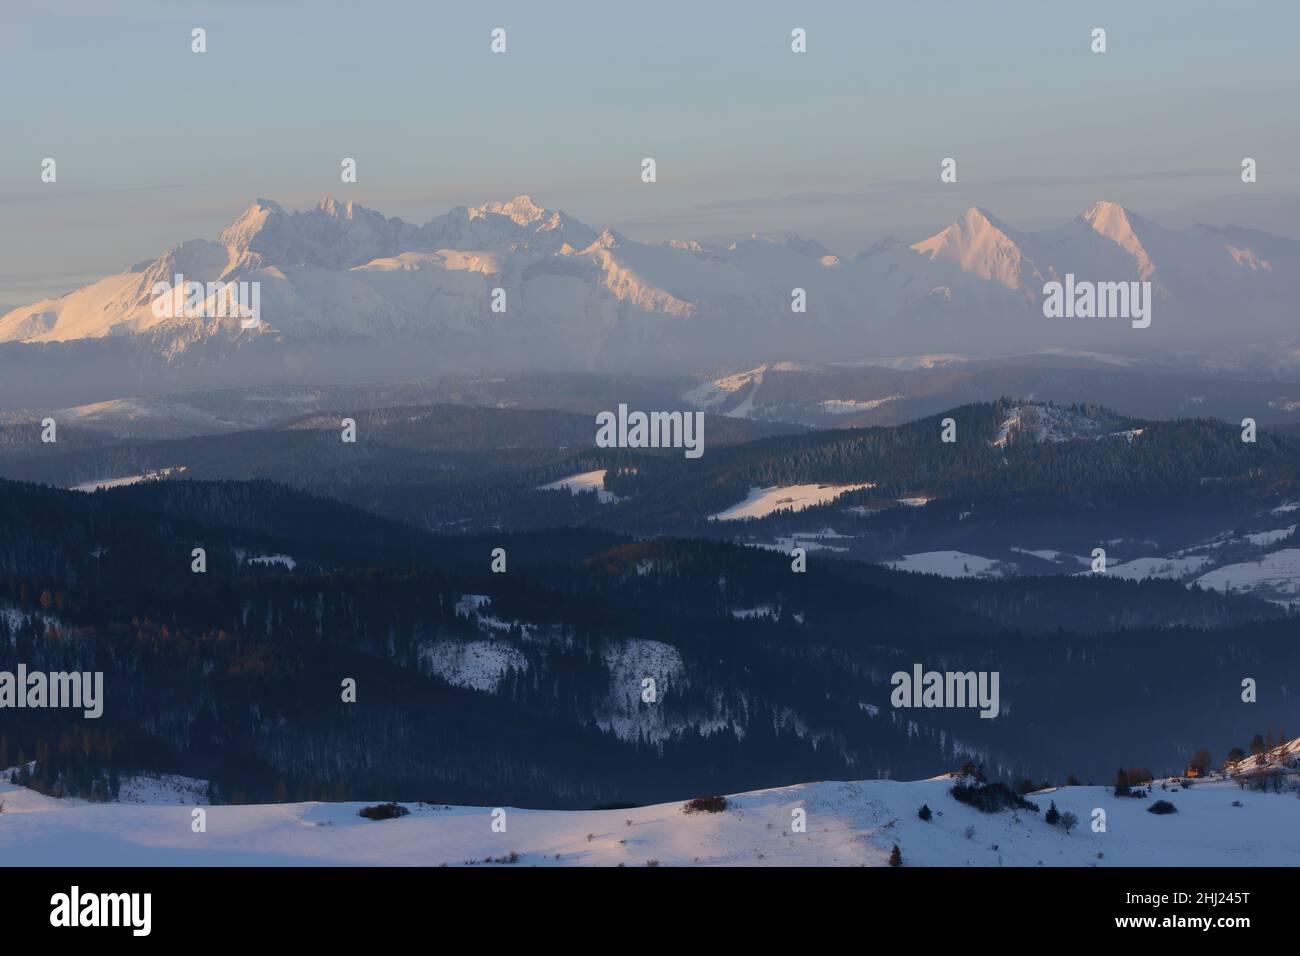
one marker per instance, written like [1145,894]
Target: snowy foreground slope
[849,824]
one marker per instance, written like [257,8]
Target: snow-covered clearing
[584,482]
[950,564]
[761,502]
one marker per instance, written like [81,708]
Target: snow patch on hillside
[1045,422]
[584,482]
[478,665]
[1274,577]
[1157,567]
[244,557]
[126,480]
[761,502]
[629,663]
[808,540]
[949,564]
[849,406]
[750,613]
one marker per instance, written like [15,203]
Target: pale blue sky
[156,144]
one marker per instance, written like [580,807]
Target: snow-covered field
[1140,568]
[950,564]
[761,502]
[808,540]
[128,479]
[847,824]
[1274,576]
[851,406]
[587,481]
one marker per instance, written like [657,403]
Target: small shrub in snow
[924,813]
[970,833]
[1053,815]
[1068,821]
[383,811]
[896,857]
[990,798]
[1162,806]
[651,862]
[704,805]
[1236,803]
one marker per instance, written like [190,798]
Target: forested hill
[136,543]
[525,686]
[462,469]
[1078,456]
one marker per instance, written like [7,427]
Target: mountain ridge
[513,283]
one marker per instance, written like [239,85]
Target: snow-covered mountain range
[340,276]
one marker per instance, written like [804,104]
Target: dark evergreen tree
[1122,788]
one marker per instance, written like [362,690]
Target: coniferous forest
[525,686]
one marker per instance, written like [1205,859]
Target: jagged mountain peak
[518,224]
[343,210]
[1112,221]
[251,221]
[982,244]
[974,224]
[977,217]
[609,239]
[521,210]
[265,227]
[1105,211]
